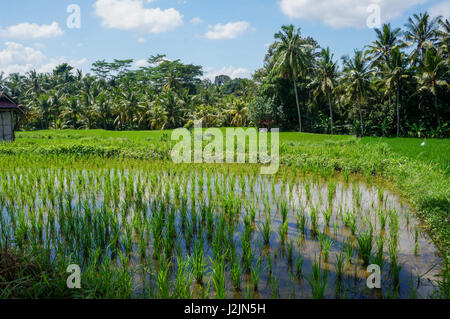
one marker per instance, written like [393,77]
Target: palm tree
[387,40]
[395,72]
[432,76]
[444,36]
[238,110]
[102,109]
[289,58]
[126,107]
[71,113]
[174,108]
[207,114]
[154,114]
[43,106]
[357,80]
[325,80]
[421,32]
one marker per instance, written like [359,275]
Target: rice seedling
[339,265]
[284,211]
[162,279]
[380,192]
[274,287]
[416,240]
[299,266]
[331,190]
[255,277]
[198,262]
[218,276]
[379,258]
[183,279]
[236,273]
[318,279]
[290,253]
[303,223]
[348,248]
[383,218]
[364,241]
[327,215]
[282,231]
[308,190]
[265,231]
[314,222]
[325,245]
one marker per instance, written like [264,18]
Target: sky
[225,37]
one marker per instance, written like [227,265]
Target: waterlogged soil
[118,207]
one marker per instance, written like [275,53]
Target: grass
[435,151]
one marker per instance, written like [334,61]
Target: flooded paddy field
[159,230]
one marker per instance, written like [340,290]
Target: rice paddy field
[140,226]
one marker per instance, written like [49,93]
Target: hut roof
[7,103]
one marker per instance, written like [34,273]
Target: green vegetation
[395,86]
[110,199]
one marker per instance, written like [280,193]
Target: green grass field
[434,152]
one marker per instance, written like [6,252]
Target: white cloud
[141,63]
[441,9]
[16,57]
[227,31]
[53,63]
[231,71]
[39,45]
[31,31]
[196,20]
[345,13]
[142,40]
[132,15]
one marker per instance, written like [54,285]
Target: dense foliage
[398,85]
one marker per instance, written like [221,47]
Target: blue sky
[228,37]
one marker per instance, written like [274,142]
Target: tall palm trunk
[298,106]
[436,110]
[331,113]
[361,119]
[398,111]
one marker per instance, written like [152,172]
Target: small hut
[8,109]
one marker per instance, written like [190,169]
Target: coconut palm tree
[238,111]
[71,113]
[421,32]
[43,107]
[290,58]
[387,40]
[395,72]
[126,108]
[174,108]
[432,76]
[325,79]
[444,37]
[207,114]
[357,81]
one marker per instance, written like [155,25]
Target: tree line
[395,86]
